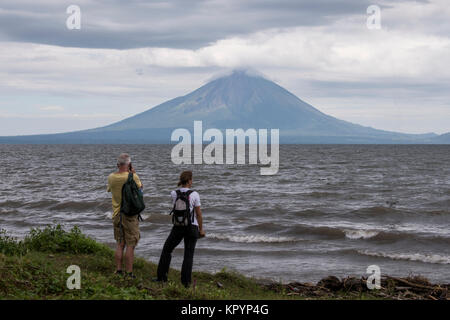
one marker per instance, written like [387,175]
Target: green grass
[35,268]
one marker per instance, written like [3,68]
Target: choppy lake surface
[331,209]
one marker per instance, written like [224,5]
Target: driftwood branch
[410,284]
[395,288]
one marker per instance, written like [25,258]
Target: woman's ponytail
[185,176]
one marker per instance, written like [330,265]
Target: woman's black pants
[190,235]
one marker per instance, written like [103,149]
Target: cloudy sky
[131,55]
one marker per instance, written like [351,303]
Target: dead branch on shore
[395,288]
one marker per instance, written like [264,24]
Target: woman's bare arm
[198,213]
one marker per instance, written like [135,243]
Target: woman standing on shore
[188,227]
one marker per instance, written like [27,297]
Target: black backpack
[132,198]
[182,215]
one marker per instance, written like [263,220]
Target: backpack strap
[130,176]
[188,193]
[174,203]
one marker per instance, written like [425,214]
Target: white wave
[360,234]
[250,238]
[428,258]
[145,216]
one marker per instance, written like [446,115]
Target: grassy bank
[35,268]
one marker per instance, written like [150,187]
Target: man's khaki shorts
[129,231]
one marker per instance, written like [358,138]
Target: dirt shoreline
[393,288]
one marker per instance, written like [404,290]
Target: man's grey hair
[123,159]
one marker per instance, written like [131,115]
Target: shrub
[55,239]
[10,246]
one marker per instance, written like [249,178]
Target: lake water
[330,210]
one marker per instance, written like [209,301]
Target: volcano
[238,100]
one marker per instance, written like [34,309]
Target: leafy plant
[9,245]
[55,239]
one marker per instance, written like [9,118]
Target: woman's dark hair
[185,176]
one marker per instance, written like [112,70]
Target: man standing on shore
[126,228]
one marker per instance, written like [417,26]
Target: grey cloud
[381,83]
[175,24]
[380,89]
